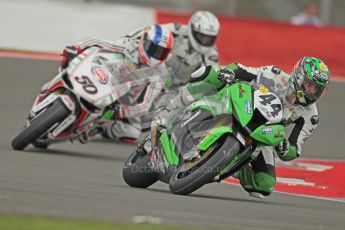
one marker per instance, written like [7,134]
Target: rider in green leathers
[298,92]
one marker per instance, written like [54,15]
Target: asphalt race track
[84,181]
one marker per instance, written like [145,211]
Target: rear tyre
[182,184]
[56,113]
[137,173]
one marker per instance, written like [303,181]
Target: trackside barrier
[256,42]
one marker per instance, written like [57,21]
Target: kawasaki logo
[191,118]
[248,107]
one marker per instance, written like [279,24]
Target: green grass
[10,222]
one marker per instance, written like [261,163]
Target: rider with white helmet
[194,46]
[203,29]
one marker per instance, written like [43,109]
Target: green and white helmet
[310,78]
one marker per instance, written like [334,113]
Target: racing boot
[257,184]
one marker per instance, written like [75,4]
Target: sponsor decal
[294,116]
[321,76]
[300,96]
[129,65]
[278,135]
[267,130]
[248,107]
[263,89]
[265,110]
[314,119]
[241,91]
[102,77]
[323,67]
[191,118]
[276,70]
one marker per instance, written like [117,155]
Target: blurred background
[252,32]
[331,12]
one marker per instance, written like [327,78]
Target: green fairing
[168,149]
[200,89]
[269,134]
[241,96]
[217,104]
[214,135]
[107,115]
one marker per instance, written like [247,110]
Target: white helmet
[203,29]
[155,45]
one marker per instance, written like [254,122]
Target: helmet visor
[204,39]
[155,51]
[311,89]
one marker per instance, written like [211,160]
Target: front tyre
[182,183]
[56,113]
[136,171]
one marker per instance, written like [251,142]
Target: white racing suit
[259,176]
[143,85]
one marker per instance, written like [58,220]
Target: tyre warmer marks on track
[323,178]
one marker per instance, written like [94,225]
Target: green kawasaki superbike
[209,140]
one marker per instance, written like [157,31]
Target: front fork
[67,100]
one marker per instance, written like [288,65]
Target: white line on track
[293,194]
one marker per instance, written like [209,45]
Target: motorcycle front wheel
[186,180]
[40,125]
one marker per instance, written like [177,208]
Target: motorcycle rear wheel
[137,173]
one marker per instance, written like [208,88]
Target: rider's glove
[226,75]
[282,148]
[68,54]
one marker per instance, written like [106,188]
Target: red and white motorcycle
[78,98]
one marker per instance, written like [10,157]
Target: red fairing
[65,134]
[81,118]
[83,115]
